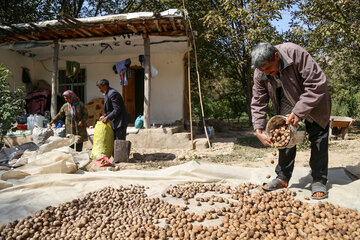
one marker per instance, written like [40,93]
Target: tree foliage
[331,32]
[233,28]
[12,103]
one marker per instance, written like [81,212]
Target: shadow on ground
[152,157]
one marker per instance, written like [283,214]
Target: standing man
[115,110]
[297,86]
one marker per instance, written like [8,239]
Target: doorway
[133,93]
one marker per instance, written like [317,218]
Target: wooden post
[147,81]
[53,109]
[190,112]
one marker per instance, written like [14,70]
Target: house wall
[166,87]
[15,62]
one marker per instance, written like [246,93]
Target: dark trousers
[120,133]
[318,159]
[79,147]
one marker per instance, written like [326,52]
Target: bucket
[296,134]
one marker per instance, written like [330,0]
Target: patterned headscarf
[74,101]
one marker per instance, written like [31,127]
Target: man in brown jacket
[297,87]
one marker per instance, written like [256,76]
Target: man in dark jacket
[297,87]
[115,110]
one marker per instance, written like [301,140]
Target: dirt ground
[239,146]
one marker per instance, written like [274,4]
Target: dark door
[133,93]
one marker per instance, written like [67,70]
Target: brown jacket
[302,78]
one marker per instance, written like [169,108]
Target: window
[77,86]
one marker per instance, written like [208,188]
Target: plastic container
[297,134]
[45,123]
[30,122]
[21,127]
[38,120]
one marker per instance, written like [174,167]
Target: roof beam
[72,26]
[147,27]
[173,23]
[180,24]
[158,27]
[142,26]
[97,31]
[19,33]
[106,29]
[132,28]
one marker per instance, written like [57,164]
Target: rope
[197,74]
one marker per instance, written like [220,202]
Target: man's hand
[263,138]
[80,124]
[293,119]
[103,119]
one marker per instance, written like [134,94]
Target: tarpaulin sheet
[31,193]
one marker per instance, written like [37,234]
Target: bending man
[115,110]
[297,86]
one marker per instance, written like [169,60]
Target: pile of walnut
[280,136]
[245,213]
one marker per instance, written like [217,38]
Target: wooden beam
[171,33]
[189,92]
[22,37]
[158,27]
[93,29]
[53,109]
[132,28]
[73,27]
[147,81]
[164,26]
[49,30]
[143,28]
[173,23]
[21,34]
[148,29]
[180,23]
[102,26]
[14,38]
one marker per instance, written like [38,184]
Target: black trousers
[319,158]
[120,133]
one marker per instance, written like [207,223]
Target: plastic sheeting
[35,192]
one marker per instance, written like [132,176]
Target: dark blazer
[115,109]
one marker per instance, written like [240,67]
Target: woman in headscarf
[75,117]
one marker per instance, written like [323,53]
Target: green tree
[330,30]
[14,11]
[233,29]
[12,103]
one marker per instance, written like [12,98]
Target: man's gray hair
[261,53]
[102,82]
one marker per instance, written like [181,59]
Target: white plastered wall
[166,87]
[15,62]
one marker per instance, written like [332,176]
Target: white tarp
[35,192]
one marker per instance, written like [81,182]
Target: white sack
[22,199]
